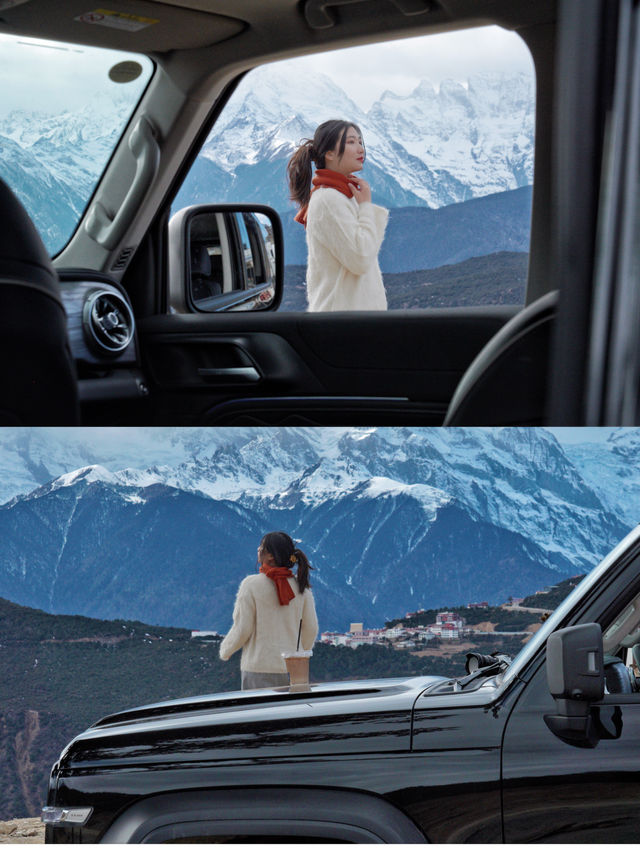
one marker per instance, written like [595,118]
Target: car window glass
[624,629]
[63,108]
[248,256]
[448,125]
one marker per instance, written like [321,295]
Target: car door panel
[554,792]
[397,367]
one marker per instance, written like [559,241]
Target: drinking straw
[299,632]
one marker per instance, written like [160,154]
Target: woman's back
[264,628]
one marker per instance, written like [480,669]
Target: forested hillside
[59,674]
[496,279]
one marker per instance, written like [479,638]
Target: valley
[496,279]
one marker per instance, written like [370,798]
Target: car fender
[348,816]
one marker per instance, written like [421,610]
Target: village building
[358,635]
[449,626]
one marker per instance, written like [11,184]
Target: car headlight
[52,815]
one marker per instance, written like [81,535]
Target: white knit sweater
[343,240]
[263,628]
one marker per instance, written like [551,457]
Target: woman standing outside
[344,228]
[272,608]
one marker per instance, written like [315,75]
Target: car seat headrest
[200,261]
[506,384]
[23,256]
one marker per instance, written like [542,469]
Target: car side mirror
[575,675]
[225,258]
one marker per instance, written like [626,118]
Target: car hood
[356,716]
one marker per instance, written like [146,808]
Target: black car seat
[203,283]
[617,677]
[506,384]
[38,383]
[635,656]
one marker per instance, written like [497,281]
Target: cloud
[366,72]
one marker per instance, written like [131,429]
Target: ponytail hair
[299,173]
[329,135]
[282,547]
[302,572]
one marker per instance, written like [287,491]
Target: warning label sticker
[117,20]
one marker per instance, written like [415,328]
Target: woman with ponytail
[273,609]
[344,229]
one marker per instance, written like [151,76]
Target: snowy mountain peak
[88,474]
[476,136]
[429,497]
[434,147]
[445,515]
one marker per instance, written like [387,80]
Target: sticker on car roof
[125,72]
[117,20]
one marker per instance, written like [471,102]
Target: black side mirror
[575,675]
[226,258]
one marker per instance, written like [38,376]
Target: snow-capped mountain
[613,472]
[394,519]
[31,456]
[470,140]
[53,161]
[438,146]
[432,148]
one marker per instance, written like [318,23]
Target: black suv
[545,748]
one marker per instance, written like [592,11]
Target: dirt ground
[28,830]
[444,650]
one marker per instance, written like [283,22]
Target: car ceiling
[265,27]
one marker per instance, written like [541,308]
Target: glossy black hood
[336,717]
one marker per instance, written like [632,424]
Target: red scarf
[326,178]
[279,575]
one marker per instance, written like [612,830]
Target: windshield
[63,108]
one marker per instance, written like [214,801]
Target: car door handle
[241,374]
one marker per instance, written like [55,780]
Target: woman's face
[264,557]
[352,158]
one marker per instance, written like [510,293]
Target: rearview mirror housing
[225,257]
[575,663]
[575,675]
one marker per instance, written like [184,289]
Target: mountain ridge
[394,518]
[428,148]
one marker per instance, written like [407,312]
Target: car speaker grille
[123,258]
[108,322]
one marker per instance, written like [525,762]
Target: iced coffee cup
[297,666]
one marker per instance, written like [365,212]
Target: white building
[449,626]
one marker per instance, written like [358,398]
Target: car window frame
[221,104]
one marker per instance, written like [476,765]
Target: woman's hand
[360,189]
